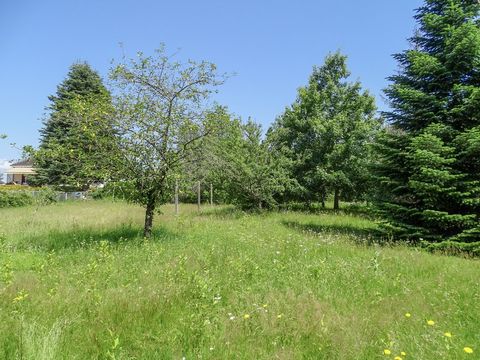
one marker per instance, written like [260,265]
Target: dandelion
[407,315]
[448,334]
[386,352]
[468,350]
[246,316]
[20,296]
[431,322]
[397,358]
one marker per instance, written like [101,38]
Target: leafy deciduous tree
[326,132]
[162,106]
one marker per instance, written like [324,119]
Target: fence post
[198,196]
[176,197]
[211,194]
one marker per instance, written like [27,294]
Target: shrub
[43,196]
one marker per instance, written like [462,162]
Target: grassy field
[78,282]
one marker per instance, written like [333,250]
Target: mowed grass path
[78,282]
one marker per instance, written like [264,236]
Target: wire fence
[64,196]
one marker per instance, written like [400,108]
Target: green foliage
[161,114]
[77,135]
[428,169]
[251,173]
[17,198]
[327,132]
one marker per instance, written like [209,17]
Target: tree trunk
[147,229]
[323,199]
[336,200]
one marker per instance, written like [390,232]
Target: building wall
[16,178]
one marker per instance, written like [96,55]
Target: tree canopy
[76,133]
[428,170]
[162,108]
[326,133]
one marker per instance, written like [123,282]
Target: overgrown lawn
[79,282]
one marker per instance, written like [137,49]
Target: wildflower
[386,352]
[448,334]
[397,358]
[403,353]
[265,305]
[20,296]
[408,315]
[279,316]
[431,322]
[246,316]
[468,350]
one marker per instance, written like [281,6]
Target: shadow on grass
[84,237]
[223,212]
[359,209]
[362,235]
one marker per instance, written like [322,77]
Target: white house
[19,172]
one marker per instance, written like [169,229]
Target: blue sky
[270,45]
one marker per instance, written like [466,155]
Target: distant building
[19,172]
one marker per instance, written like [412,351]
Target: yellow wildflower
[246,316]
[431,322]
[20,296]
[386,352]
[397,358]
[279,316]
[265,305]
[408,315]
[403,353]
[448,334]
[468,350]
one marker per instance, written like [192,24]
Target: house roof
[23,167]
[23,163]
[20,170]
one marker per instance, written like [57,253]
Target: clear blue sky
[271,45]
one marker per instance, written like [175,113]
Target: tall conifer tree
[428,168]
[75,131]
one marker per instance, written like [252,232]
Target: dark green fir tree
[428,167]
[75,131]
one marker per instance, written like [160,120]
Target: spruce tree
[75,131]
[428,169]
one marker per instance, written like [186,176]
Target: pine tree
[428,168]
[75,131]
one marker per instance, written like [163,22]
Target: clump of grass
[225,284]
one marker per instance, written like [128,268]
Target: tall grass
[79,282]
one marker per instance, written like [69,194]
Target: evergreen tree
[428,167]
[326,133]
[75,131]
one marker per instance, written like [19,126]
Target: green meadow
[77,281]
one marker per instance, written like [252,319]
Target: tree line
[418,163]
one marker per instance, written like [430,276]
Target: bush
[42,196]
[15,199]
